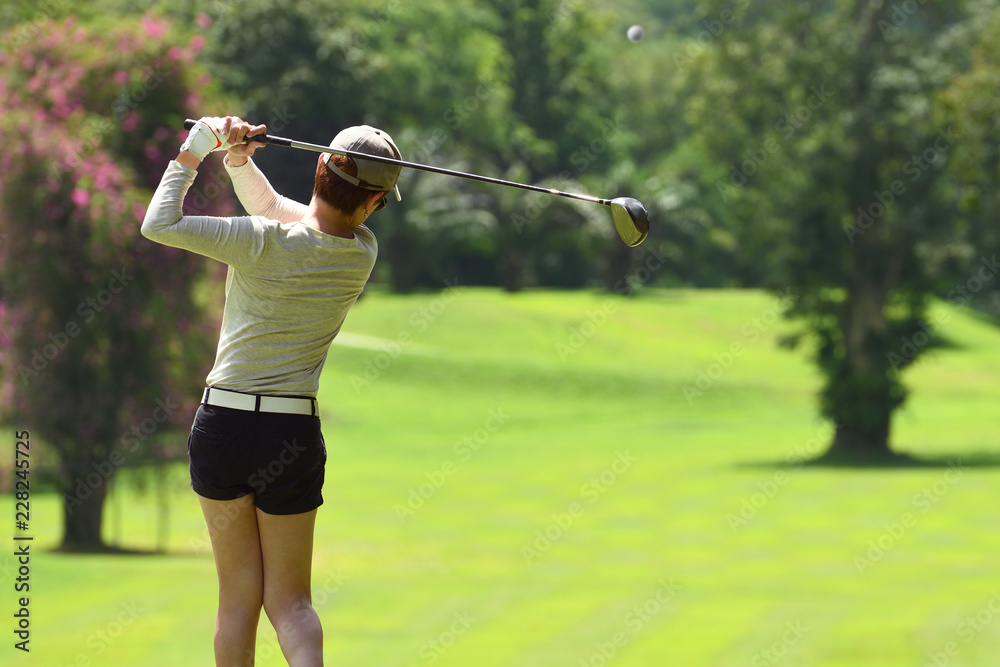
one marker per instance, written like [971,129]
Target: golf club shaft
[281,141]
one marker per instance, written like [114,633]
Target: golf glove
[206,137]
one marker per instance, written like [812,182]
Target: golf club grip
[262,138]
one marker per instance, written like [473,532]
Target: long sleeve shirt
[288,288]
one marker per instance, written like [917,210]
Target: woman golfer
[257,453]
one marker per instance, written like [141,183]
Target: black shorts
[279,458]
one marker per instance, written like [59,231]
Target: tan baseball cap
[371,175]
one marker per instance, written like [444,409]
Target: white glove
[206,137]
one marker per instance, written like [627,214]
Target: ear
[373,199]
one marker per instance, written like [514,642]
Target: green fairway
[575,479]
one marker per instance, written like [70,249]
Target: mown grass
[533,490]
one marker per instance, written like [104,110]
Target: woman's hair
[337,192]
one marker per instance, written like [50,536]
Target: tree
[829,155]
[103,344]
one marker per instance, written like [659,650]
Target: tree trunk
[862,388]
[868,444]
[82,511]
[512,269]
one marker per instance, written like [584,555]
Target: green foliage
[846,151]
[827,151]
[83,298]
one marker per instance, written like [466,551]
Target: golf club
[629,215]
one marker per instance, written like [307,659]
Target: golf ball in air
[636,33]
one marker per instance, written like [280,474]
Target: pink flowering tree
[103,345]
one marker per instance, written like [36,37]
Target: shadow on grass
[106,550]
[892,461]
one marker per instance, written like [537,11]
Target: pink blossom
[193,101]
[139,211]
[161,134]
[152,153]
[204,79]
[153,27]
[174,53]
[204,21]
[131,120]
[197,42]
[80,197]
[120,77]
[28,62]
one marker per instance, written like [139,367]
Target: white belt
[255,403]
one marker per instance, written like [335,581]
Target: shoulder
[366,240]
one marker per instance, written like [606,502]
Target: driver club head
[631,220]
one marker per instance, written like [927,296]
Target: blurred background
[765,436]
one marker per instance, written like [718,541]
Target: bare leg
[286,547]
[232,525]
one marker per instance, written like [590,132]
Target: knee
[238,619]
[288,606]
[240,601]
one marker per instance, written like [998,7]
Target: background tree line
[843,149]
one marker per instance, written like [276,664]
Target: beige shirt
[289,286]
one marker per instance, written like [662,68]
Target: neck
[324,218]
